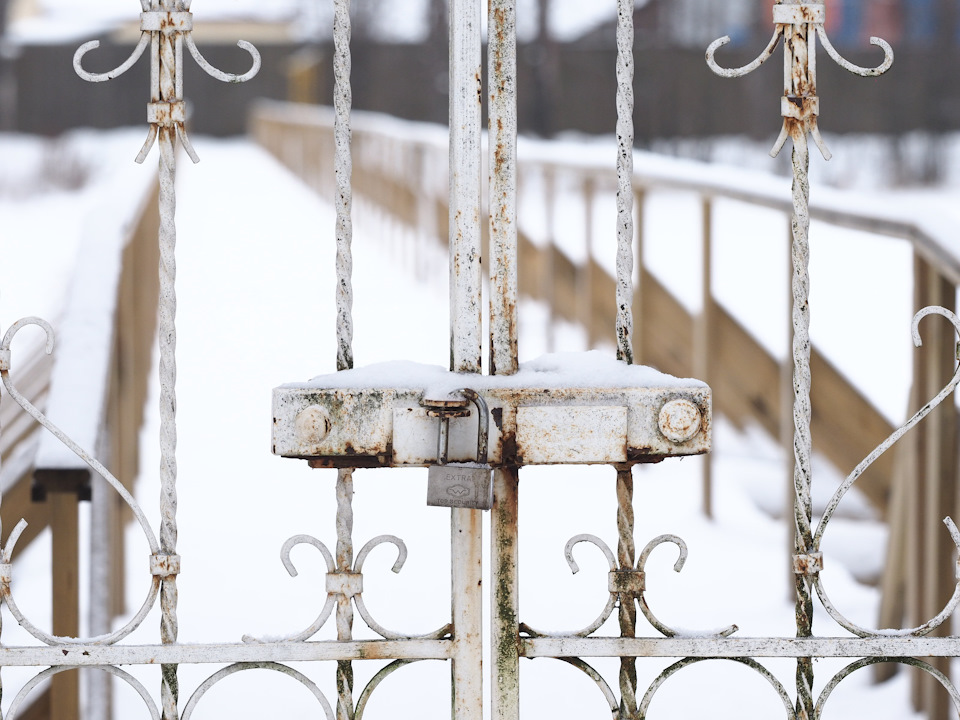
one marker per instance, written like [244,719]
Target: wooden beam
[65,687]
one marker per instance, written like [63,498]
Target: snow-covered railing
[399,176]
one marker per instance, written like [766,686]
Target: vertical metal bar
[799,83]
[703,342]
[343,171]
[465,167]
[467,611]
[505,596]
[625,180]
[465,339]
[626,560]
[166,91]
[344,491]
[502,74]
[343,168]
[504,534]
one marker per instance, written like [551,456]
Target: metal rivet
[679,420]
[313,424]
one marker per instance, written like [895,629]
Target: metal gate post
[466,340]
[504,531]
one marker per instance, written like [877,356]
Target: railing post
[548,252]
[936,477]
[703,326]
[65,554]
[585,271]
[639,200]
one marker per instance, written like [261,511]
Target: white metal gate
[349,420]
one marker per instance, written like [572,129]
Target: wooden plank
[65,687]
[938,446]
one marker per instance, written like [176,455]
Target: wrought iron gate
[546,414]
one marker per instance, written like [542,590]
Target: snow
[592,369]
[256,290]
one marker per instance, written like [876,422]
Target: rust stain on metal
[809,564]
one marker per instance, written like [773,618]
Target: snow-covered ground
[256,284]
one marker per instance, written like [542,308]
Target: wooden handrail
[745,376]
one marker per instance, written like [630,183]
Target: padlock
[463,485]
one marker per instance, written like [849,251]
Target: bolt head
[679,420]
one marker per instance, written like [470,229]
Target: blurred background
[567,48]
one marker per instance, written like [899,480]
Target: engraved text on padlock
[463,485]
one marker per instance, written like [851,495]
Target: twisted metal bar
[344,602]
[165,24]
[800,24]
[626,557]
[169,626]
[343,167]
[625,181]
[802,444]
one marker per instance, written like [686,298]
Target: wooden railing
[400,169]
[45,488]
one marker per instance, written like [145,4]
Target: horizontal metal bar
[890,646]
[85,655]
[887,646]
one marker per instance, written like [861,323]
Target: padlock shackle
[483,423]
